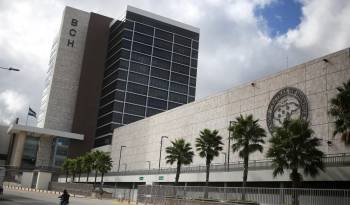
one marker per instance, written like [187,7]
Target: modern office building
[105,73]
[151,66]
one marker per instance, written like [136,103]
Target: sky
[240,40]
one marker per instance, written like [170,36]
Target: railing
[329,161]
[225,195]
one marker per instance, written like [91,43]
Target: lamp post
[229,146]
[10,69]
[160,151]
[149,165]
[120,155]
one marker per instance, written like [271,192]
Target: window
[160,73]
[182,40]
[118,106]
[192,91]
[117,117]
[173,105]
[194,54]
[182,50]
[122,74]
[194,63]
[144,29]
[160,63]
[162,94]
[162,44]
[130,119]
[109,88]
[178,88]
[129,24]
[164,35]
[136,88]
[104,130]
[106,109]
[127,34]
[180,68]
[178,98]
[160,104]
[140,58]
[140,68]
[151,112]
[136,99]
[121,85]
[192,81]
[193,72]
[134,109]
[195,45]
[103,141]
[142,48]
[181,59]
[161,53]
[159,83]
[179,78]
[105,119]
[120,95]
[138,78]
[143,38]
[107,99]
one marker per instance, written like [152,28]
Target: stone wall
[317,79]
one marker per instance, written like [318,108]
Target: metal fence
[158,194]
[329,161]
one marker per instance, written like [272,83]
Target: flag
[31,112]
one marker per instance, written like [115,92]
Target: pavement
[18,197]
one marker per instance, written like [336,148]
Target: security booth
[37,153]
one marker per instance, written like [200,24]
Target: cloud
[234,44]
[11,104]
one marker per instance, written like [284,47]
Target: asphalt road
[17,197]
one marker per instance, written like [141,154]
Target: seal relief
[288,103]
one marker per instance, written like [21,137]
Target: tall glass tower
[151,67]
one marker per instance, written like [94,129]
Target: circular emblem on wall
[288,103]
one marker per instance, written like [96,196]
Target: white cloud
[11,103]
[234,45]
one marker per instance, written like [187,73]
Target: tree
[340,110]
[73,168]
[66,167]
[208,144]
[293,147]
[104,164]
[248,136]
[95,156]
[79,166]
[88,161]
[180,152]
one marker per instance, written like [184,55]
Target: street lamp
[10,69]
[120,155]
[160,151]
[149,165]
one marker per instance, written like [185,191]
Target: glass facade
[151,67]
[30,150]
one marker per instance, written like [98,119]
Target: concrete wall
[317,79]
[43,180]
[59,99]
[27,179]
[4,143]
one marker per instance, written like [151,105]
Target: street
[17,197]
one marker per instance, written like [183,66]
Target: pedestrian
[64,198]
[1,192]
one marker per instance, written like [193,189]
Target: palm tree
[180,152]
[73,168]
[88,161]
[79,166]
[340,109]
[66,167]
[208,144]
[248,136]
[95,156]
[103,165]
[293,147]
